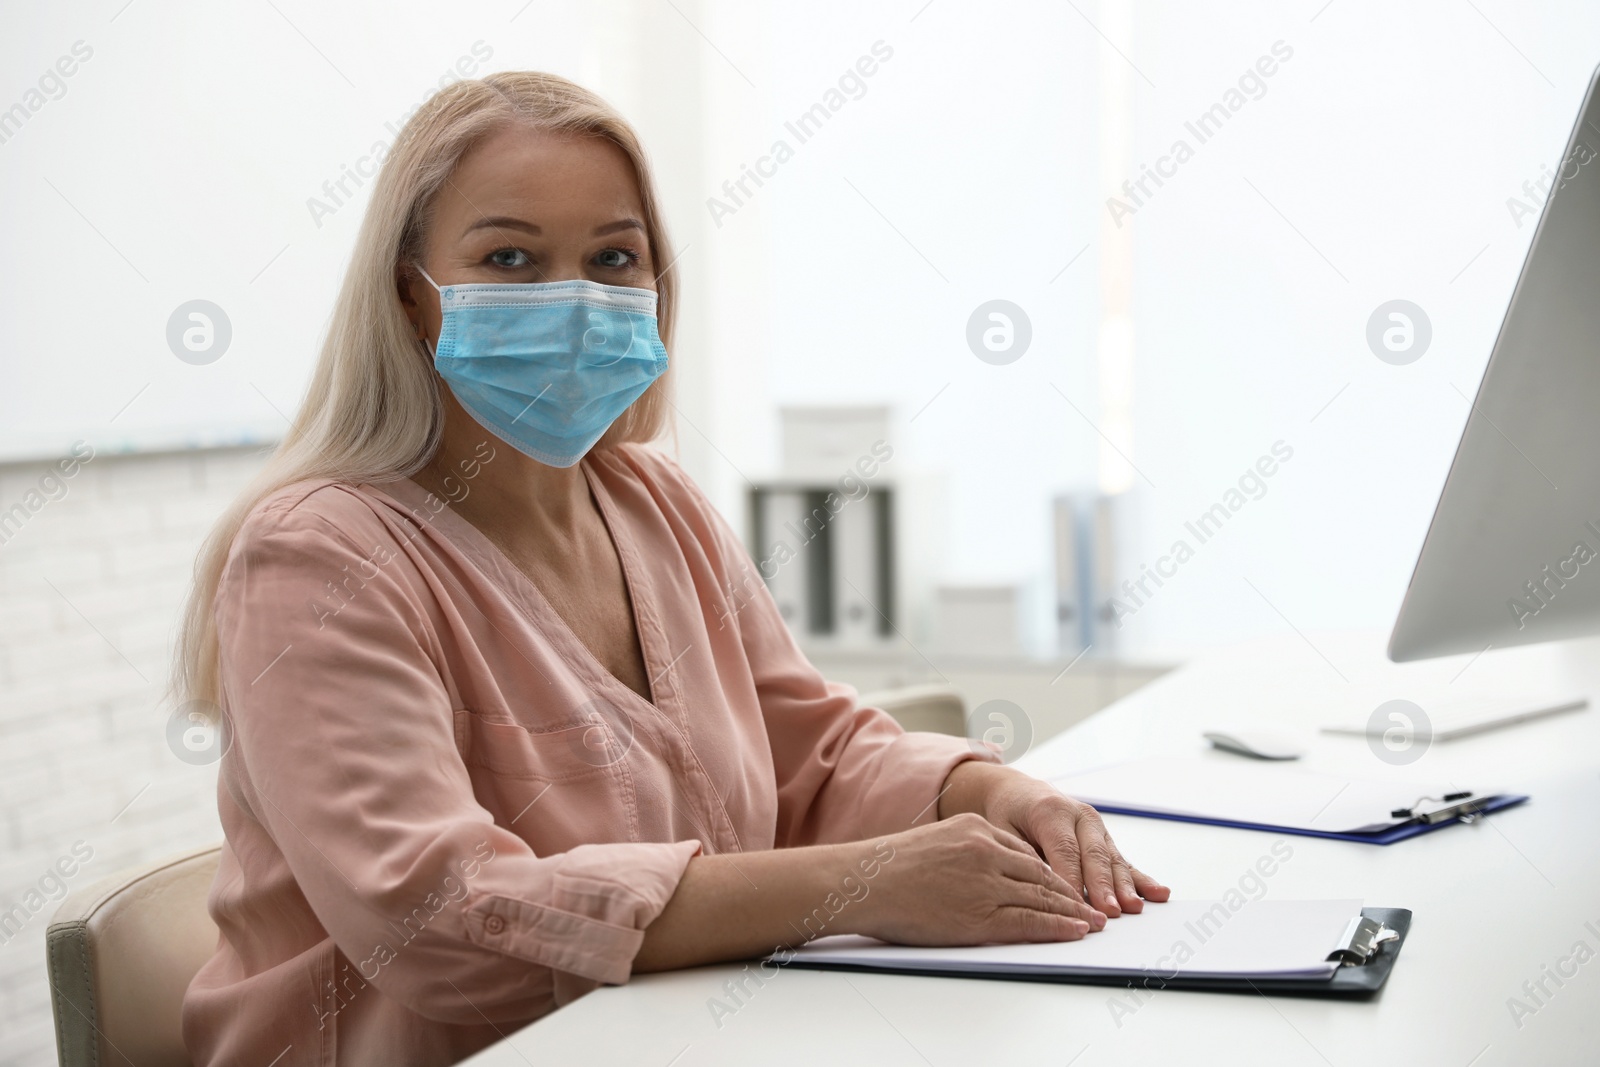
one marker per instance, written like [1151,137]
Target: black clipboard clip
[1467,810]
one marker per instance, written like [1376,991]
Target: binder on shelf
[882,500]
[777,512]
[1073,623]
[853,532]
[1104,561]
[814,527]
[828,560]
[1332,948]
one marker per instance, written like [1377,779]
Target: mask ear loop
[427,346]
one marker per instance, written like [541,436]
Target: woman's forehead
[542,176]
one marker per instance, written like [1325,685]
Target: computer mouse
[1258,744]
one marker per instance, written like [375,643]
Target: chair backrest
[935,708]
[121,954]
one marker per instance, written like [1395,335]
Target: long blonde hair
[373,411]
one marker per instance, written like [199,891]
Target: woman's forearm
[739,905]
[967,786]
[1009,859]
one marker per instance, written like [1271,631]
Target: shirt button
[494,924]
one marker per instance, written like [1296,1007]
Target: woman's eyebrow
[503,222]
[498,222]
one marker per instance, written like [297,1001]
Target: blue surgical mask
[548,367]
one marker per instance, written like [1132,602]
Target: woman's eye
[616,258]
[509,257]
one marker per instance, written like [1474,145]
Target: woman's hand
[1067,833]
[965,881]
[1005,862]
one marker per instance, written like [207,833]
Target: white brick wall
[83,667]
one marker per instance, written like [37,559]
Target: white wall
[1375,163]
[1391,142]
[93,569]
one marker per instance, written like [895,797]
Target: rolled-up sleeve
[343,748]
[844,772]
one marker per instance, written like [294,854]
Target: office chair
[121,953]
[937,709]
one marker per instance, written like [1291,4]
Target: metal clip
[1466,811]
[1412,812]
[1363,939]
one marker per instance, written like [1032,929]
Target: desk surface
[1497,904]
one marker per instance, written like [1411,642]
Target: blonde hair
[373,411]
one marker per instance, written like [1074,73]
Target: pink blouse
[445,818]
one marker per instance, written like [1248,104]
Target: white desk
[1494,903]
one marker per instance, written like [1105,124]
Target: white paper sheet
[1189,938]
[1240,791]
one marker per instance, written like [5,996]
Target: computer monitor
[1512,555]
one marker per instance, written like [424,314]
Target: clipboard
[1280,800]
[1420,825]
[1366,955]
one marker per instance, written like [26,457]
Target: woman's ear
[404,279]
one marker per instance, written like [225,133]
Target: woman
[499,734]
